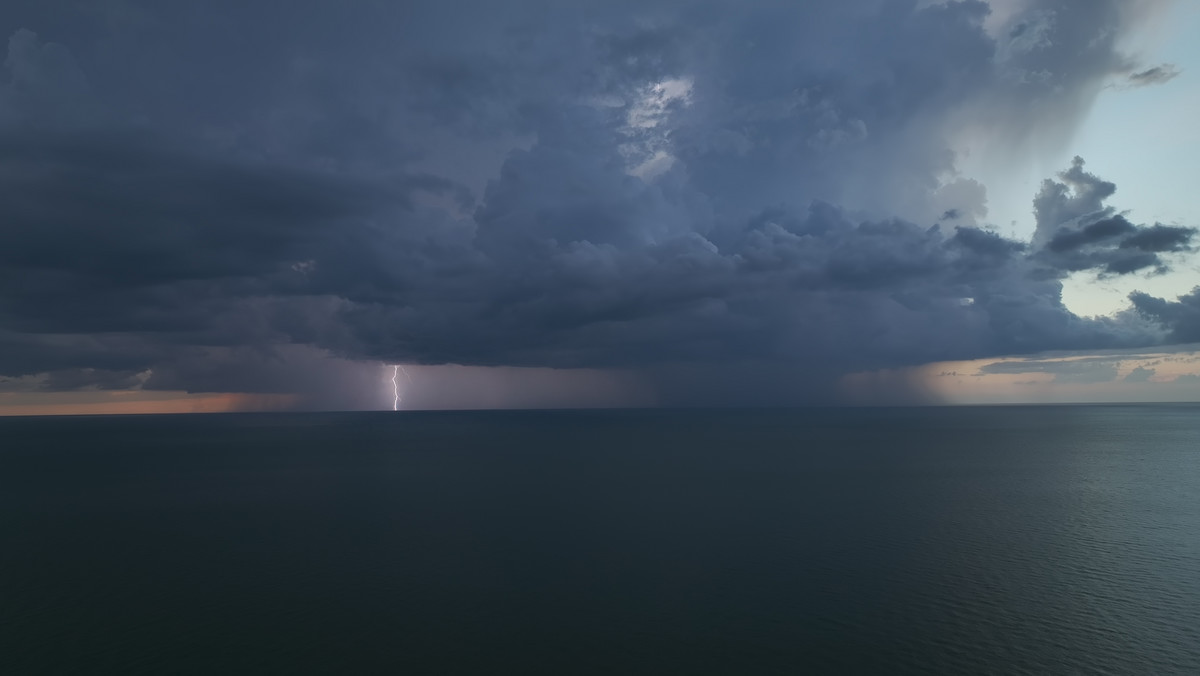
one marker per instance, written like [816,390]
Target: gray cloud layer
[761,195]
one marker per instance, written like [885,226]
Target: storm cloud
[1181,317]
[761,196]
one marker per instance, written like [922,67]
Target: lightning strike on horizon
[397,369]
[395,388]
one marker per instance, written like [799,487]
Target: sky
[268,205]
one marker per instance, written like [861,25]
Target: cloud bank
[737,203]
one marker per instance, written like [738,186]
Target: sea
[969,540]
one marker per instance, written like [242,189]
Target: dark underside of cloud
[761,199]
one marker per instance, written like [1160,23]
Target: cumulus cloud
[1180,317]
[1078,231]
[735,206]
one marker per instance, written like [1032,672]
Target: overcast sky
[265,204]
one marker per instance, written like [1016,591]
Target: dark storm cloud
[1116,246]
[734,200]
[126,211]
[1092,233]
[1079,232]
[1180,317]
[1159,238]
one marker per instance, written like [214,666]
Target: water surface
[961,540]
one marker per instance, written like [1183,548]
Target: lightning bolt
[395,388]
[397,369]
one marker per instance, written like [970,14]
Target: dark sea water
[1038,540]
